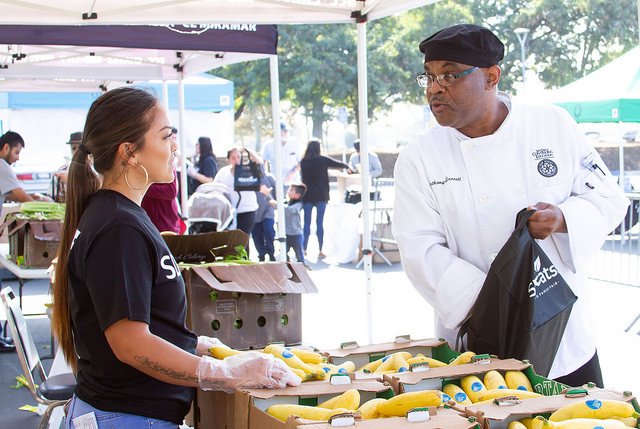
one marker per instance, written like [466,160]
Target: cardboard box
[361,355]
[34,242]
[493,416]
[436,378]
[245,409]
[245,306]
[441,420]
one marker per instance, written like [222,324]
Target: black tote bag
[247,174]
[524,305]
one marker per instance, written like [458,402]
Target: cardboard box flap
[384,347]
[193,249]
[265,278]
[438,421]
[541,405]
[455,371]
[49,230]
[318,388]
[14,225]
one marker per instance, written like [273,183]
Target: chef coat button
[483,198]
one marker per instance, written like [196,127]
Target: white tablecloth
[342,229]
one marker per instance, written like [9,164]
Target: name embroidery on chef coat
[546,166]
[445,180]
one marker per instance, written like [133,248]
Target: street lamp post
[522,34]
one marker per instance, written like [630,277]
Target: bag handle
[522,218]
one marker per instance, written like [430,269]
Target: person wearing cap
[290,156]
[375,167]
[458,191]
[60,176]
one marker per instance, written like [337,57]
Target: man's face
[283,136]
[459,106]
[11,154]
[74,148]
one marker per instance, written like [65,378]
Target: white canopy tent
[241,12]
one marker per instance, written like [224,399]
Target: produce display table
[21,273]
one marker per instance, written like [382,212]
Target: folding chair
[53,391]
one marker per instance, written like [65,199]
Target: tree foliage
[567,39]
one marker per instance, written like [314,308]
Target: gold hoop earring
[146,177]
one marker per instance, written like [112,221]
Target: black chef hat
[464,43]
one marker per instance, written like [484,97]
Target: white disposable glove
[205,343]
[249,369]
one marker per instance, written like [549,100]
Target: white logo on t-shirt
[168,263]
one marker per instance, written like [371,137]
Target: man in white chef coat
[458,191]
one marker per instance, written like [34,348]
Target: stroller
[210,209]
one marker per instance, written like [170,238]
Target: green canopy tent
[609,94]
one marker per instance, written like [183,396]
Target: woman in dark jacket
[206,168]
[314,171]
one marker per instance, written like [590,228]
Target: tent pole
[363,124]
[165,95]
[183,156]
[275,112]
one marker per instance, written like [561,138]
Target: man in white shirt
[375,167]
[11,144]
[290,156]
[458,192]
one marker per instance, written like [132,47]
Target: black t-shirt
[120,267]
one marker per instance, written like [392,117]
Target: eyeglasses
[445,79]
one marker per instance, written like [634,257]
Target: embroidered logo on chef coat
[546,166]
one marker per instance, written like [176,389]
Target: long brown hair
[118,116]
[314,149]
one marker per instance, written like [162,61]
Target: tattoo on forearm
[155,366]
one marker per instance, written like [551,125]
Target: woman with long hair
[119,304]
[206,167]
[315,175]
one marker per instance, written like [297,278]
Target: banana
[287,357]
[369,410]
[400,404]
[516,425]
[578,423]
[472,386]
[594,409]
[372,366]
[283,411]
[389,362]
[349,400]
[433,363]
[517,380]
[306,356]
[330,369]
[400,363]
[629,421]
[457,394]
[316,375]
[221,352]
[488,395]
[462,359]
[494,380]
[527,422]
[345,367]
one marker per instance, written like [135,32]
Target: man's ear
[492,76]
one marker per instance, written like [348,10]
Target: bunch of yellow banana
[400,404]
[472,386]
[301,361]
[399,362]
[283,411]
[521,424]
[578,423]
[514,383]
[517,380]
[346,402]
[457,394]
[595,409]
[329,369]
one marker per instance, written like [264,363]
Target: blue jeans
[295,242]
[263,234]
[113,420]
[320,207]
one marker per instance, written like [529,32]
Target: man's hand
[546,220]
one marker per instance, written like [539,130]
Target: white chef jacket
[456,200]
